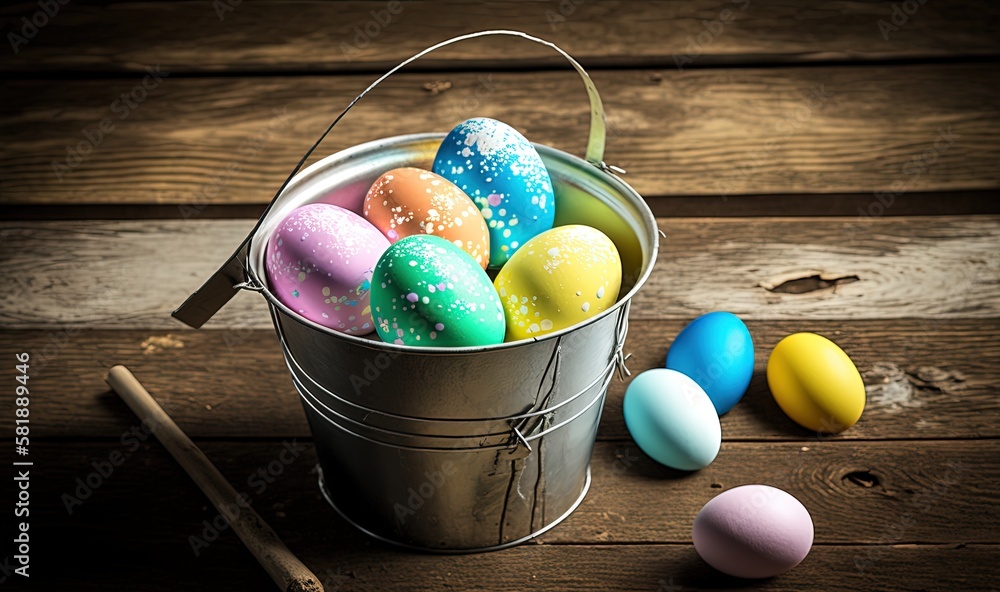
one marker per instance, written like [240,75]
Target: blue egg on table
[672,419]
[503,174]
[717,352]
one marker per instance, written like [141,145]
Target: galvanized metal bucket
[457,449]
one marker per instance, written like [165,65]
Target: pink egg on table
[319,263]
[753,531]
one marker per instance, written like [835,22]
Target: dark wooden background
[815,166]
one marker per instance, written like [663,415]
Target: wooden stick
[284,567]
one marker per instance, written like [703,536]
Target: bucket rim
[646,215]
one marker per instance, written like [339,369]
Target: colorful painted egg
[672,419]
[753,531]
[426,291]
[815,383]
[319,263]
[409,201]
[717,352]
[557,279]
[501,171]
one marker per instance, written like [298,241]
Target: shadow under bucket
[452,449]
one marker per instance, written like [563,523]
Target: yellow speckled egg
[558,278]
[815,383]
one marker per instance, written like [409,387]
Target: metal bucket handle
[232,276]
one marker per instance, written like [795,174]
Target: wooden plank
[131,274]
[908,492]
[708,133]
[923,203]
[925,492]
[797,268]
[949,203]
[341,36]
[915,389]
[164,562]
[925,379]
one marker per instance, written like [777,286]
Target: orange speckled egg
[408,201]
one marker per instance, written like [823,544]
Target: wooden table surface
[815,166]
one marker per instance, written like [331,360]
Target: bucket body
[458,449]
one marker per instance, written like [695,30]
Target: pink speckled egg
[319,264]
[753,531]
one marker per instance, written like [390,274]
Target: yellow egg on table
[558,278]
[815,383]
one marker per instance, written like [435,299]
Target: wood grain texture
[908,493]
[708,133]
[343,36]
[361,566]
[929,492]
[925,379]
[755,267]
[132,274]
[922,203]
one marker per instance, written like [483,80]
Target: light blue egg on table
[503,174]
[672,419]
[717,352]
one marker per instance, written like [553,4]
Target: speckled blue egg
[501,171]
[717,352]
[672,419]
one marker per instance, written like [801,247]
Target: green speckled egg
[428,292]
